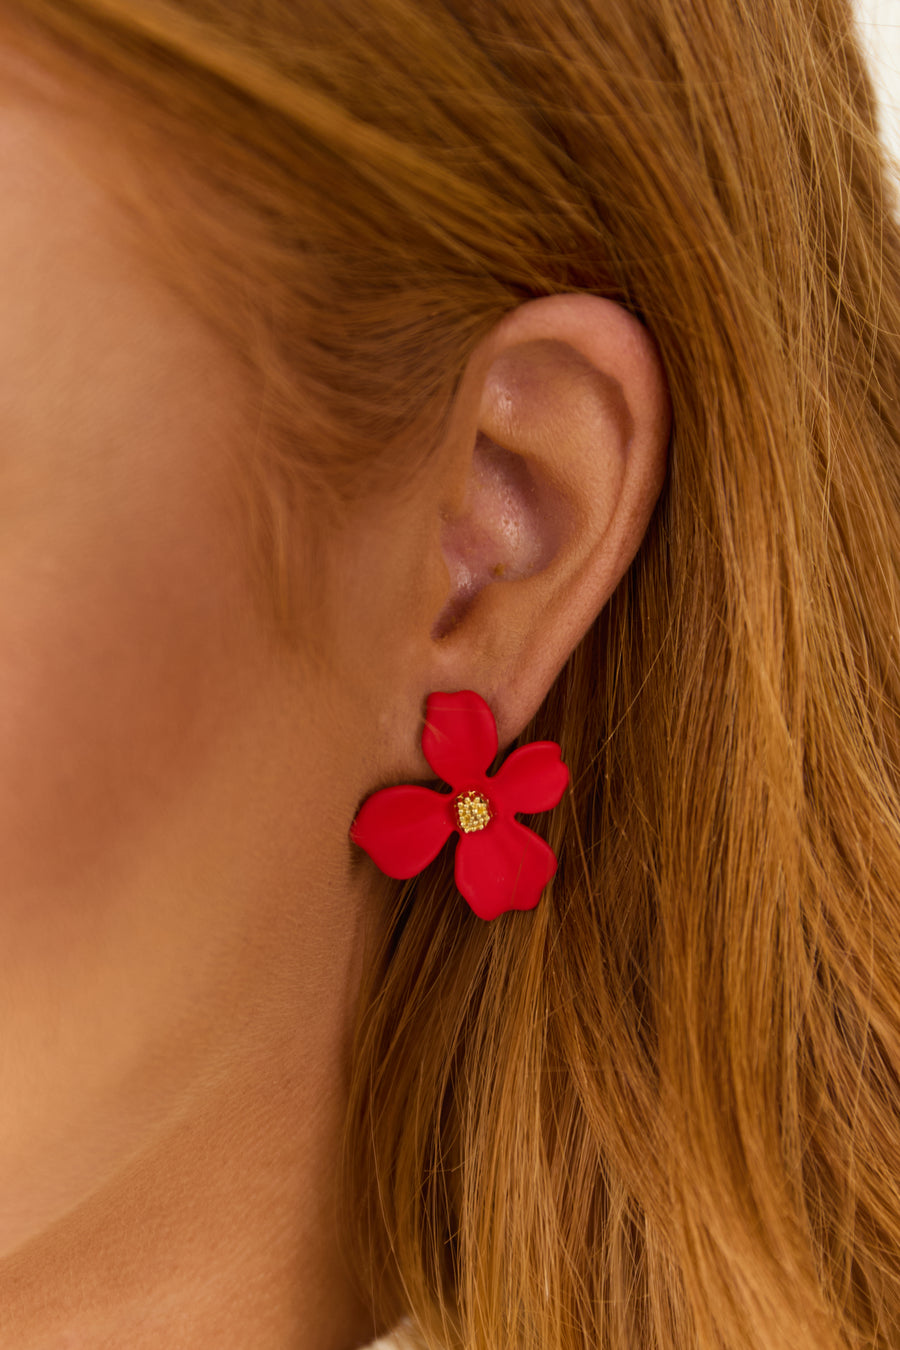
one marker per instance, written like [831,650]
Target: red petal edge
[505,866]
[459,738]
[403,828]
[533,778]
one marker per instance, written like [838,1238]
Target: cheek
[122,661]
[113,662]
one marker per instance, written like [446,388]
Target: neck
[223,1233]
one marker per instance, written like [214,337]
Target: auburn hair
[662,1110]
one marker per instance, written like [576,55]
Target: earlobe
[570,424]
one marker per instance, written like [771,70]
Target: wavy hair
[663,1110]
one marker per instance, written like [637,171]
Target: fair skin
[184,922]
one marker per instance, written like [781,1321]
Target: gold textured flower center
[473,811]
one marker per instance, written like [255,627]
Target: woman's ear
[555,462]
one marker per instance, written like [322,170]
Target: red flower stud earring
[500,864]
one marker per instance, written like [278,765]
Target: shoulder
[399,1339]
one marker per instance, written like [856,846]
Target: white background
[879,24]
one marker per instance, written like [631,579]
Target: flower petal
[403,828]
[505,866]
[459,739]
[534,778]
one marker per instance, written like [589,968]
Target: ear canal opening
[508,530]
[461,599]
